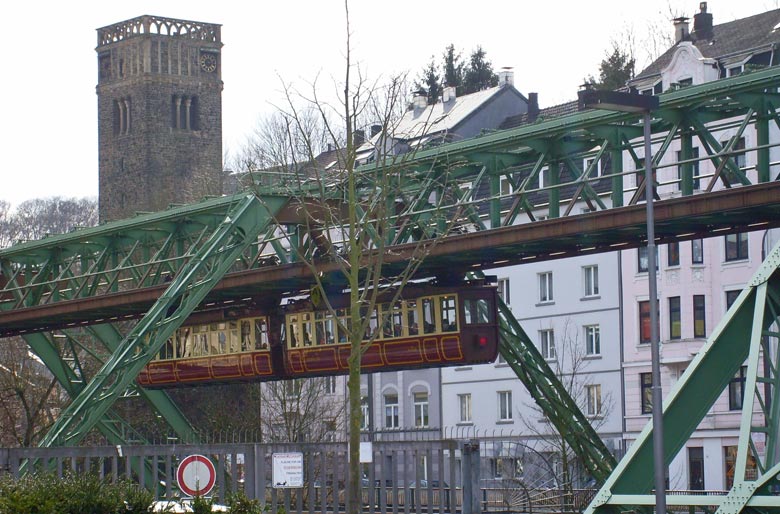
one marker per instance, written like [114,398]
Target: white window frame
[330,384]
[364,421]
[592,340]
[586,162]
[547,343]
[594,402]
[590,275]
[464,406]
[421,411]
[503,290]
[545,280]
[544,177]
[504,405]
[392,412]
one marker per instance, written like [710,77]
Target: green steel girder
[748,334]
[244,221]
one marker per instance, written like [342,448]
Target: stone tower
[159,114]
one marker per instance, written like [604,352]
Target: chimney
[448,94]
[680,29]
[533,106]
[506,76]
[359,137]
[375,129]
[419,102]
[702,23]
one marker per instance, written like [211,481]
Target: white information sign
[366,453]
[287,470]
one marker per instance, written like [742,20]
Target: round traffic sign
[196,475]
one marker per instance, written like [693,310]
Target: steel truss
[174,260]
[748,335]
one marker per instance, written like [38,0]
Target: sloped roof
[437,118]
[729,38]
[547,113]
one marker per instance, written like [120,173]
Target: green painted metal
[748,334]
[245,220]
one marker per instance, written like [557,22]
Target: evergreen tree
[429,82]
[479,74]
[615,70]
[453,69]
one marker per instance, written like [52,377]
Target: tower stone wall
[159,114]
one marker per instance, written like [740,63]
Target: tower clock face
[208,62]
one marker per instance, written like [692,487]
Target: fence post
[471,496]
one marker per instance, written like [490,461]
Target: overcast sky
[49,116]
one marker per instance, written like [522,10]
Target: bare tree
[353,216]
[308,410]
[571,366]
[29,396]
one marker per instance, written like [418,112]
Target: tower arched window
[122,116]
[185,112]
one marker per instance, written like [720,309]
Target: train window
[261,334]
[373,323]
[448,313]
[218,339]
[343,315]
[201,341]
[233,339]
[476,311]
[397,321]
[292,333]
[183,342]
[412,317]
[246,335]
[166,352]
[429,316]
[307,329]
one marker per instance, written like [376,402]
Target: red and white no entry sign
[196,475]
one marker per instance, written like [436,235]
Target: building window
[697,251]
[546,287]
[363,413]
[642,261]
[731,297]
[464,402]
[644,321]
[734,71]
[591,274]
[737,389]
[592,340]
[503,290]
[736,246]
[184,112]
[646,396]
[420,410]
[506,186]
[547,343]
[596,171]
[739,157]
[673,254]
[122,116]
[694,166]
[699,324]
[330,385]
[594,399]
[391,411]
[505,406]
[675,320]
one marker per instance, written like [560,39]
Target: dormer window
[734,71]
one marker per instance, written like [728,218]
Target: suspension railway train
[429,326]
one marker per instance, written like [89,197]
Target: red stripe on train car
[398,353]
[161,372]
[432,349]
[193,370]
[451,348]
[225,366]
[262,363]
[320,359]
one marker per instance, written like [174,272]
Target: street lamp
[590,98]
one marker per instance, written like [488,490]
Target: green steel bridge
[158,268]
